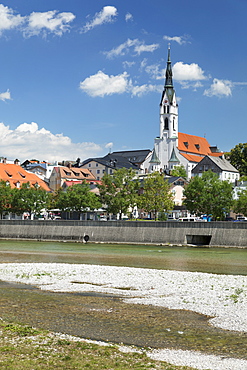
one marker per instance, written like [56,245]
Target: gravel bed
[223,297]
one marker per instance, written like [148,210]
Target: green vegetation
[118,192]
[22,347]
[179,171]
[209,195]
[156,196]
[23,199]
[238,158]
[240,204]
[77,198]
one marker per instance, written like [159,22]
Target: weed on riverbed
[23,347]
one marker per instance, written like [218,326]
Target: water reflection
[212,260]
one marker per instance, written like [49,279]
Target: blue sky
[80,78]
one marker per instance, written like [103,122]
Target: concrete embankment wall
[231,234]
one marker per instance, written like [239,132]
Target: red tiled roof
[194,145]
[75,173]
[14,174]
[192,157]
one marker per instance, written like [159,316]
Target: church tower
[167,142]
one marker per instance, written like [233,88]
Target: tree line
[122,191]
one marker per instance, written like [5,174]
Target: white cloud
[188,72]
[107,15]
[48,22]
[28,141]
[144,89]
[35,23]
[5,96]
[219,88]
[146,48]
[179,39]
[128,17]
[8,19]
[101,84]
[124,48]
[109,145]
[127,64]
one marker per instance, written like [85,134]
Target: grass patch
[23,347]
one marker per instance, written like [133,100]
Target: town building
[14,176]
[218,165]
[62,177]
[133,159]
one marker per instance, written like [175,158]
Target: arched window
[166,124]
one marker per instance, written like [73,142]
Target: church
[173,148]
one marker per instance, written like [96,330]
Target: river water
[202,259]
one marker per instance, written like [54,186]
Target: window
[89,164]
[186,144]
[98,171]
[8,173]
[197,146]
[22,174]
[173,123]
[166,109]
[97,165]
[166,124]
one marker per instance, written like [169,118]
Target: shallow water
[203,259]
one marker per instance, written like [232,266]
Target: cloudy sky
[80,78]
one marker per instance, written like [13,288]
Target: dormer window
[186,144]
[8,173]
[22,175]
[197,146]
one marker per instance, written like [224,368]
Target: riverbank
[212,234]
[222,298]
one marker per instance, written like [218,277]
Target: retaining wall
[231,234]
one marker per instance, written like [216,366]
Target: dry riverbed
[189,318]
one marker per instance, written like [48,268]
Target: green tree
[29,199]
[77,198]
[156,195]
[208,195]
[238,158]
[118,192]
[179,171]
[5,197]
[240,204]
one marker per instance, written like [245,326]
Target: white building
[172,148]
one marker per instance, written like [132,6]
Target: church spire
[168,88]
[168,82]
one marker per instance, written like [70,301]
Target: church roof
[197,145]
[154,158]
[192,157]
[173,158]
